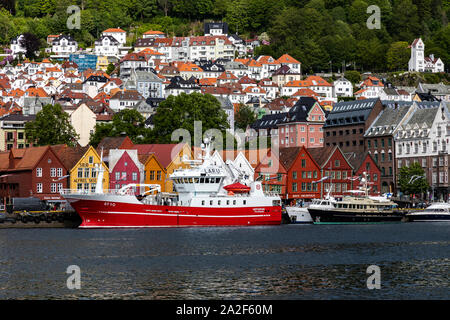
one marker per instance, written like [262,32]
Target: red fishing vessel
[201,199]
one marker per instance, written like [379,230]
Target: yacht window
[218,202]
[234,202]
[217,180]
[228,202]
[196,180]
[203,202]
[190,180]
[202,180]
[185,180]
[245,202]
[206,180]
[211,203]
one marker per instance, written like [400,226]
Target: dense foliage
[127,122]
[319,33]
[182,111]
[52,126]
[412,179]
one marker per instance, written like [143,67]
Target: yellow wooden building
[160,160]
[83,176]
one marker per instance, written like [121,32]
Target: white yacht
[439,211]
[299,215]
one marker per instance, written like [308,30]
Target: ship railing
[85,192]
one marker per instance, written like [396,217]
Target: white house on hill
[418,61]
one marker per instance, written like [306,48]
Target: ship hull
[116,214]
[347,217]
[421,217]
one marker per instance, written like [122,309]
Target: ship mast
[100,170]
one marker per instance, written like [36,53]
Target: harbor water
[277,262]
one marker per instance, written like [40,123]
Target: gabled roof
[114,30]
[109,143]
[163,152]
[285,58]
[69,156]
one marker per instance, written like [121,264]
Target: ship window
[211,203]
[202,180]
[234,202]
[217,180]
[244,202]
[196,180]
[218,202]
[203,202]
[190,180]
[228,202]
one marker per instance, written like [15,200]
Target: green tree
[31,43]
[180,112]
[244,117]
[398,55]
[51,126]
[353,76]
[412,179]
[110,69]
[127,122]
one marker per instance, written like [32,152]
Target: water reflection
[227,263]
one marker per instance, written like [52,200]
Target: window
[53,188]
[337,163]
[117,174]
[134,176]
[294,175]
[294,187]
[91,160]
[52,172]
[39,188]
[38,172]
[80,172]
[60,187]
[152,175]
[303,163]
[158,175]
[60,172]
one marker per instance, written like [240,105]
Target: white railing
[85,192]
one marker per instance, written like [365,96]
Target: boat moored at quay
[357,208]
[436,212]
[201,198]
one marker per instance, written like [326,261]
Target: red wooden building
[125,168]
[302,171]
[272,173]
[334,165]
[365,163]
[31,172]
